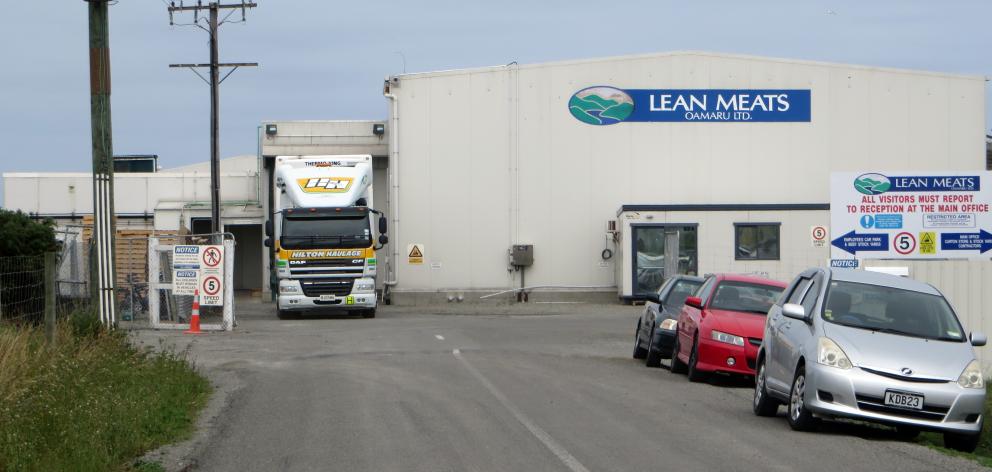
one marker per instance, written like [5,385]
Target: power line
[214,66]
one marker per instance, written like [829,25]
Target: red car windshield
[746,297]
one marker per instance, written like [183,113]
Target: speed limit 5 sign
[819,235]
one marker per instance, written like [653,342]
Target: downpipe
[394,184]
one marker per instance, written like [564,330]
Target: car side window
[707,288]
[796,296]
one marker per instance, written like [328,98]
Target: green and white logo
[601,105]
[872,184]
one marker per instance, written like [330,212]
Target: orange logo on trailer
[325,184]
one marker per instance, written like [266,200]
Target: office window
[756,241]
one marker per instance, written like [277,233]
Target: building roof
[661,55]
[235,164]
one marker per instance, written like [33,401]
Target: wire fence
[22,288]
[143,266]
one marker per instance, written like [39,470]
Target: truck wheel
[282,314]
[370,313]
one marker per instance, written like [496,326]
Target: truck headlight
[669,324]
[364,286]
[290,289]
[972,376]
[830,354]
[722,337]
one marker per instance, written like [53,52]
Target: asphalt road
[415,391]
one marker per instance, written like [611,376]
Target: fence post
[50,297]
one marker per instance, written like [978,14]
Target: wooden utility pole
[102,273]
[213,22]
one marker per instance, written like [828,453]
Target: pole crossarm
[223,64]
[173,8]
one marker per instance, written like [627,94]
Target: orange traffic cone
[194,321]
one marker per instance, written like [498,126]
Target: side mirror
[694,302]
[978,339]
[653,297]
[794,311]
[268,229]
[268,242]
[382,225]
[383,239]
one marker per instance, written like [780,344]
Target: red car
[720,328]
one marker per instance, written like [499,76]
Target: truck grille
[337,287]
[331,267]
[877,404]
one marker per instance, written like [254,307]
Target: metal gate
[169,311]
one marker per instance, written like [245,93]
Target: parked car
[873,347]
[720,326]
[655,334]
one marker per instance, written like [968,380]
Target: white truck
[323,235]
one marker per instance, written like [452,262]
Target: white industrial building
[492,157]
[471,163]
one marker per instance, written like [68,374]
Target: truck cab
[323,233]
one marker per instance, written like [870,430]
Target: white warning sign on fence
[211,275]
[199,268]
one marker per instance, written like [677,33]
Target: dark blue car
[655,335]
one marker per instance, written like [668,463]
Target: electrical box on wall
[522,255]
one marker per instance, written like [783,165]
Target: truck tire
[282,314]
[370,313]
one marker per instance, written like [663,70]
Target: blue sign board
[877,184]
[608,105]
[980,241]
[853,242]
[883,221]
[844,263]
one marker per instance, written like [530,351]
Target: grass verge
[983,454]
[92,401]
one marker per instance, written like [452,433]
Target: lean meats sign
[907,215]
[608,105]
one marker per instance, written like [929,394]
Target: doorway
[247,258]
[660,251]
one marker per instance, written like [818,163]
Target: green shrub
[20,235]
[85,323]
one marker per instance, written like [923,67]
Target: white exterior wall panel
[491,157]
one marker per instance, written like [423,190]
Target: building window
[756,241]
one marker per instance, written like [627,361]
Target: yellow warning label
[415,254]
[928,242]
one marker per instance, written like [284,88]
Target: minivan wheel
[800,418]
[639,352]
[962,442]
[677,367]
[763,405]
[695,375]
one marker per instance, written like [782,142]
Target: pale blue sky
[326,60]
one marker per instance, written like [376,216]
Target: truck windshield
[328,232]
[891,310]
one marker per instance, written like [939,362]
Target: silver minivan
[844,343]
